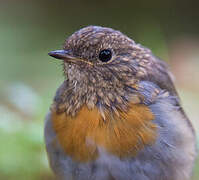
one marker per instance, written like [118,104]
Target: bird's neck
[72,95]
[91,87]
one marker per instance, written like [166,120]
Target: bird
[117,115]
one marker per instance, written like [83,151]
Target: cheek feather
[123,136]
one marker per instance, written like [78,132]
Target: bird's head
[98,56]
[102,65]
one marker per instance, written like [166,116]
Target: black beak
[60,54]
[65,55]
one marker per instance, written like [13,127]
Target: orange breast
[83,135]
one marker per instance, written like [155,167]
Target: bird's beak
[60,54]
[65,55]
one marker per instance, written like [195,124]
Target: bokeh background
[29,29]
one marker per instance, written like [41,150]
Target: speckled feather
[130,63]
[133,78]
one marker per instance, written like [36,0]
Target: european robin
[117,116]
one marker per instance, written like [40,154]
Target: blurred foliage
[29,78]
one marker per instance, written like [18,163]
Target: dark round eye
[105,55]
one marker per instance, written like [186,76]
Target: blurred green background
[29,29]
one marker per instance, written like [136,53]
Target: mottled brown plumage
[117,114]
[130,63]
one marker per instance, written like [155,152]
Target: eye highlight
[105,55]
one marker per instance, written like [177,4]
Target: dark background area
[29,78]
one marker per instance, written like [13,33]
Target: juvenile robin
[117,116]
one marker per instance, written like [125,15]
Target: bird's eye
[105,55]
